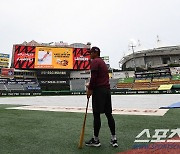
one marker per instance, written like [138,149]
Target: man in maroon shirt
[99,88]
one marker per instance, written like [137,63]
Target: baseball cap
[94,49]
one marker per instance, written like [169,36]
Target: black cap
[95,49]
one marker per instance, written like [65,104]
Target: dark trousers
[97,123]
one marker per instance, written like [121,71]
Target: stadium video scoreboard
[34,57]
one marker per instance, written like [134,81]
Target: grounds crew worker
[99,88]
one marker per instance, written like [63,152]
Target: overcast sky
[108,24]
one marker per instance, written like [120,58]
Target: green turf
[39,132]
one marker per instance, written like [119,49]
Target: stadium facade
[54,66]
[59,68]
[152,58]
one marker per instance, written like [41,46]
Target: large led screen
[31,57]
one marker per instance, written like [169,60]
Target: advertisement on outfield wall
[53,58]
[24,57]
[81,59]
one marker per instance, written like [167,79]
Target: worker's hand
[89,93]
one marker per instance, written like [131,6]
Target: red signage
[81,60]
[24,57]
[7,71]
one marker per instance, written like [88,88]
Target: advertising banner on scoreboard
[24,57]
[53,58]
[81,60]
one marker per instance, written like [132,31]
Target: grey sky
[109,24]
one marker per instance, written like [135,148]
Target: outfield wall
[113,92]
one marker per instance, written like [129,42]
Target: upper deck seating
[125,83]
[141,84]
[3,87]
[14,87]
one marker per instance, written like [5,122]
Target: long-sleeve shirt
[99,74]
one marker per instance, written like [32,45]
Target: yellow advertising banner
[4,59]
[165,87]
[53,58]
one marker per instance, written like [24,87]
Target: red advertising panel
[24,57]
[7,71]
[81,60]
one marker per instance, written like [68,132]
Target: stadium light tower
[132,44]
